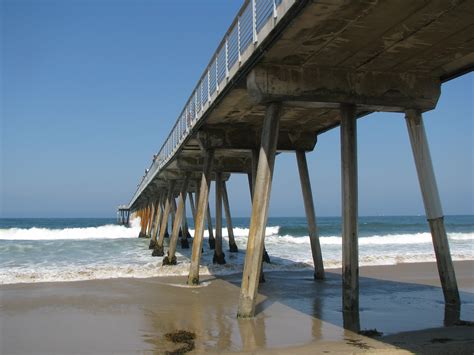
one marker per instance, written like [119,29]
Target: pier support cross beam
[202,204]
[158,251]
[219,256]
[310,215]
[171,258]
[350,249]
[432,203]
[228,220]
[258,222]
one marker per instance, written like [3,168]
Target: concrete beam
[220,164]
[241,137]
[369,90]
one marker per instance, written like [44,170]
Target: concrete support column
[141,214]
[193,209]
[433,209]
[310,215]
[171,258]
[219,256]
[228,219]
[258,222]
[151,218]
[147,220]
[158,251]
[184,227]
[173,214]
[158,215]
[193,278]
[212,240]
[252,176]
[350,250]
[148,217]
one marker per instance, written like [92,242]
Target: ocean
[54,250]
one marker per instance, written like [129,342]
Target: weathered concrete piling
[219,256]
[300,72]
[158,250]
[228,219]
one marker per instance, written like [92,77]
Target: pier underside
[381,56]
[323,65]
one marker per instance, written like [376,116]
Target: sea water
[52,250]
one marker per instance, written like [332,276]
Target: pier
[123,215]
[285,72]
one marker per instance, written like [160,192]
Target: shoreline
[295,314]
[268,268]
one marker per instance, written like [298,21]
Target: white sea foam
[242,232]
[101,232]
[155,269]
[71,261]
[390,239]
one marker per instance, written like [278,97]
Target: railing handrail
[261,11]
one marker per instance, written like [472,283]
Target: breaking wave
[102,232]
[390,239]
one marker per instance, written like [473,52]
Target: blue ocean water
[37,250]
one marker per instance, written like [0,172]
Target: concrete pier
[310,215]
[202,208]
[308,67]
[258,221]
[228,219]
[219,256]
[350,247]
[434,213]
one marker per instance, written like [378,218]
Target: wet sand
[295,314]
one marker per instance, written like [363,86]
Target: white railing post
[217,72]
[238,39]
[201,95]
[195,105]
[275,14]
[227,57]
[254,21]
[209,85]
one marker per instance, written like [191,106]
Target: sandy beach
[295,314]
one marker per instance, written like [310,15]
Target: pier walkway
[285,72]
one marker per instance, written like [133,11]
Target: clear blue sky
[90,89]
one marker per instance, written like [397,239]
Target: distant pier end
[123,215]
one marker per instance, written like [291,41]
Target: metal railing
[242,35]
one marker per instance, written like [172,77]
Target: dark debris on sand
[358,344]
[371,333]
[181,337]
